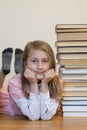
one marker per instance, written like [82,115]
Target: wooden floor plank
[57,123]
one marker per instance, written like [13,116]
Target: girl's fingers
[29,73]
[50,73]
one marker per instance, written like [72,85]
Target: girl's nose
[40,65]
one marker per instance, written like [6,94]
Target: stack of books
[71,55]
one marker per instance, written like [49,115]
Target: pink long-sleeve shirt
[35,107]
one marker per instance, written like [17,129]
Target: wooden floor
[57,123]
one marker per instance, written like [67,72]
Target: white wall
[25,20]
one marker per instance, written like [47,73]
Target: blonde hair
[54,84]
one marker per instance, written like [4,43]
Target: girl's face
[39,62]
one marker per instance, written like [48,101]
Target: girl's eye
[34,61]
[45,61]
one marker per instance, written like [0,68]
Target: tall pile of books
[71,55]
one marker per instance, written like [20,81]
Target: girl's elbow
[34,118]
[45,117]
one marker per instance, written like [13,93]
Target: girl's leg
[6,63]
[18,60]
[6,60]
[2,78]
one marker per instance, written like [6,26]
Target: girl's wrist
[34,88]
[44,83]
[44,87]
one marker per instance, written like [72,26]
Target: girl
[36,91]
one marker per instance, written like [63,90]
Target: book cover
[71,36]
[74,62]
[80,108]
[71,98]
[74,77]
[74,103]
[71,43]
[74,93]
[75,88]
[71,26]
[71,66]
[75,84]
[73,71]
[76,55]
[75,114]
[74,49]
[69,30]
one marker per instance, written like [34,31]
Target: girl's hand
[31,77]
[48,75]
